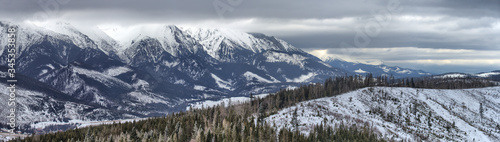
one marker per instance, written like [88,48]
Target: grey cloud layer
[261,8]
[319,24]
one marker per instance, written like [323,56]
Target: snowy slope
[376,70]
[33,107]
[452,75]
[493,75]
[487,74]
[226,102]
[215,41]
[91,37]
[405,113]
[251,76]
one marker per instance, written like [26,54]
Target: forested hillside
[245,121]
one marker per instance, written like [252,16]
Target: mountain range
[78,73]
[72,73]
[376,70]
[493,75]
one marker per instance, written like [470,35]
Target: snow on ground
[116,71]
[454,75]
[385,69]
[82,123]
[147,98]
[421,73]
[302,78]
[403,71]
[225,101]
[75,122]
[41,115]
[171,64]
[321,62]
[139,84]
[199,87]
[488,74]
[50,66]
[222,83]
[180,81]
[294,59]
[10,136]
[360,71]
[105,79]
[405,113]
[250,76]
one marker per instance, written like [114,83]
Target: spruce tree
[295,122]
[133,135]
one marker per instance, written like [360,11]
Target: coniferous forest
[244,122]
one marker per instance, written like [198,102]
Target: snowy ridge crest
[404,113]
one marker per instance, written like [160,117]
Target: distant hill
[493,75]
[376,70]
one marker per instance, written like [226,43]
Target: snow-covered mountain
[493,75]
[376,70]
[406,114]
[151,70]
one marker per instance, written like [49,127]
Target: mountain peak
[333,59]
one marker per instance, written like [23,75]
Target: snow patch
[199,87]
[115,71]
[488,74]
[146,98]
[222,83]
[225,101]
[360,71]
[294,59]
[250,76]
[180,81]
[454,75]
[105,79]
[302,78]
[171,64]
[140,84]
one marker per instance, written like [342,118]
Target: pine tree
[295,122]
[89,136]
[165,133]
[481,110]
[197,132]
[429,120]
[133,135]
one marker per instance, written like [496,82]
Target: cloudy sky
[434,35]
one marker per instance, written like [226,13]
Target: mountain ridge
[376,70]
[155,74]
[493,75]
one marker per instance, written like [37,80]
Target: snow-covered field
[222,83]
[82,123]
[302,78]
[225,101]
[405,113]
[9,136]
[78,123]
